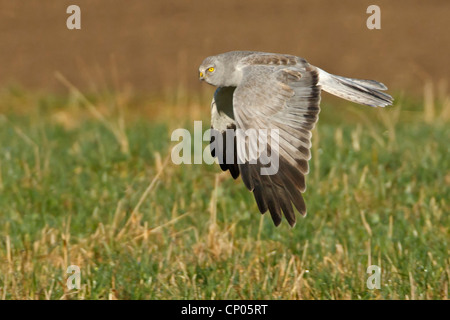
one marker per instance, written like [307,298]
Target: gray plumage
[258,90]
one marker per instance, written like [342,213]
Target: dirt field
[159,44]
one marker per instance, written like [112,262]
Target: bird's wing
[222,128]
[276,92]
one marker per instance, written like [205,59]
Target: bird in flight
[279,93]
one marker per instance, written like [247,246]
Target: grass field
[88,181]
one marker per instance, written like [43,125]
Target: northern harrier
[258,90]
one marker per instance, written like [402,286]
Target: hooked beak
[200,76]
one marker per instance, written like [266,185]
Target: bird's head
[211,71]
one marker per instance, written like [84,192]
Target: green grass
[85,181]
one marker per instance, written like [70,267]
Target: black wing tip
[292,223]
[276,222]
[274,213]
[234,170]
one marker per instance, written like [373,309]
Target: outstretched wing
[282,93]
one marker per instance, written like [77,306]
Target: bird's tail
[367,92]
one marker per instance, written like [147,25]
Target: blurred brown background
[156,44]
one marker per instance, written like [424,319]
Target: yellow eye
[211,69]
